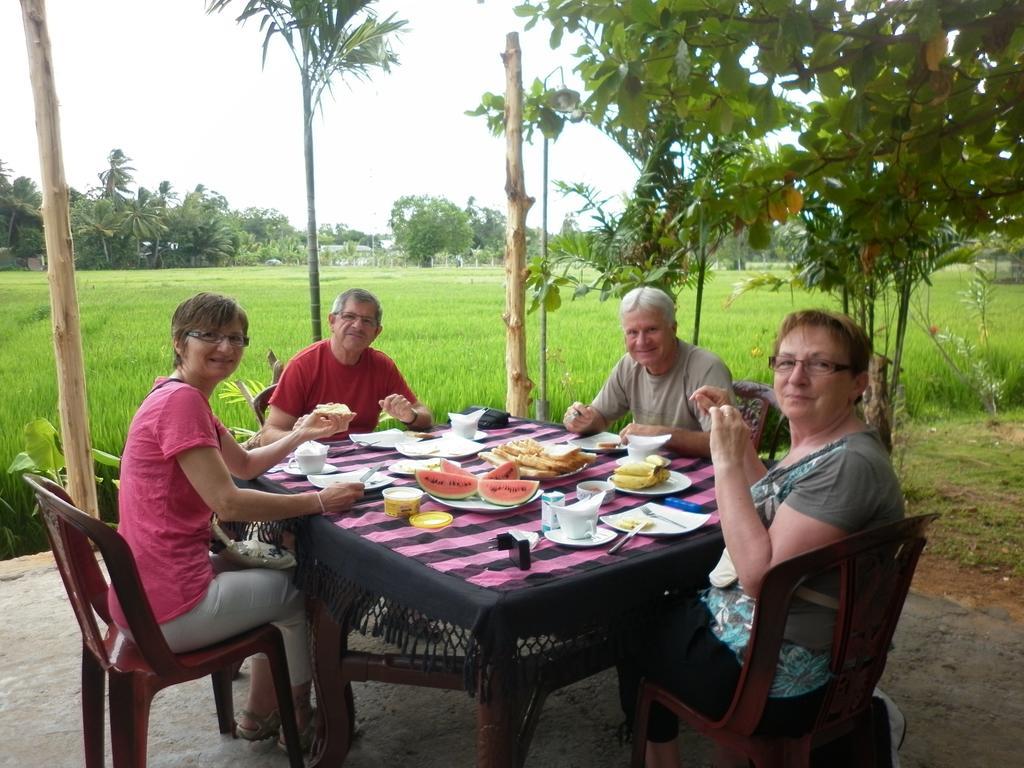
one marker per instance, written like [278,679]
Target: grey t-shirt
[663,399]
[849,484]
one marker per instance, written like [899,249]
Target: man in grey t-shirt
[654,380]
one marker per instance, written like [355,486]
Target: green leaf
[106,459]
[22,463]
[683,65]
[41,445]
[830,85]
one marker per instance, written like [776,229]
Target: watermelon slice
[507,471]
[446,485]
[454,469]
[507,493]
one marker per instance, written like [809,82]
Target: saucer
[602,536]
[296,472]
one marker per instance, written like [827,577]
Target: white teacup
[589,488]
[310,457]
[579,521]
[464,424]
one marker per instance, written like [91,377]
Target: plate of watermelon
[499,490]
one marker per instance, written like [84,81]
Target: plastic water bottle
[548,519]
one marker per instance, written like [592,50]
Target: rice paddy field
[443,327]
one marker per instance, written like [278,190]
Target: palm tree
[325,37]
[99,218]
[117,177]
[20,203]
[144,219]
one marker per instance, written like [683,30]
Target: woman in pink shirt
[176,473]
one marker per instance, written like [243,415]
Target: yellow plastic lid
[431,519]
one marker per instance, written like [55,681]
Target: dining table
[458,612]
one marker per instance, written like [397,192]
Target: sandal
[266,727]
[306,735]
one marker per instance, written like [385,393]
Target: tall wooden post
[518,384]
[67,336]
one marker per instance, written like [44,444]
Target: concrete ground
[957,674]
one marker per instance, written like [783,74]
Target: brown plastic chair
[875,569]
[756,402]
[138,669]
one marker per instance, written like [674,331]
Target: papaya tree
[909,114]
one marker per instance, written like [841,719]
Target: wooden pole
[518,384]
[60,258]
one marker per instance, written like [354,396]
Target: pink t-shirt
[315,376]
[163,519]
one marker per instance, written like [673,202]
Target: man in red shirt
[344,369]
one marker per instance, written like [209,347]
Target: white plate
[379,479]
[476,504]
[589,443]
[294,470]
[384,440]
[442,448]
[409,466]
[688,521]
[676,482]
[478,435]
[602,536]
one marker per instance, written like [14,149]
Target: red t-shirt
[315,376]
[163,519]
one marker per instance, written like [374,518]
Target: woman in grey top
[836,480]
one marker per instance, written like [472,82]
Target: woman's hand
[707,397]
[730,437]
[339,497]
[314,426]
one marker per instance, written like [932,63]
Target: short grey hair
[360,296]
[647,298]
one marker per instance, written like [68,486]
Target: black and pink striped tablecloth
[464,549]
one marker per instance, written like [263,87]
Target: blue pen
[683,504]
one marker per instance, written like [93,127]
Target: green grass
[972,472]
[443,327]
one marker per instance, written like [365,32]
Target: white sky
[183,94]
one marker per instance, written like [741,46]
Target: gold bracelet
[322,510]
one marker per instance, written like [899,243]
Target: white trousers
[240,599]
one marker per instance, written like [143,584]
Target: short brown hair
[205,312]
[843,329]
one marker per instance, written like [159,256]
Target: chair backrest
[756,401]
[72,534]
[261,402]
[875,568]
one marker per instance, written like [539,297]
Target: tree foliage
[424,226]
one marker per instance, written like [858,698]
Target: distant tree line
[118,224]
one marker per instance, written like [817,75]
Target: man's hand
[644,429]
[583,419]
[399,407]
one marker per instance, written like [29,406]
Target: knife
[368,474]
[618,545]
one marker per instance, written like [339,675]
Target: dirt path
[957,673]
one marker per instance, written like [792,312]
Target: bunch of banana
[637,475]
